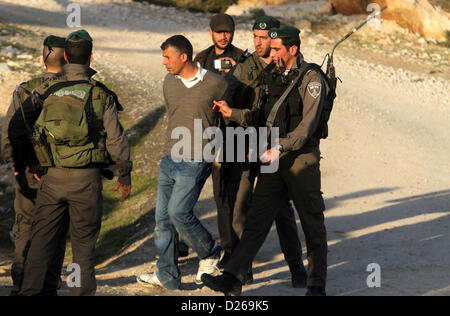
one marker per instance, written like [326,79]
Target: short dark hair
[288,42]
[181,44]
[55,58]
[78,52]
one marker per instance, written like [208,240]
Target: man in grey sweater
[189,92]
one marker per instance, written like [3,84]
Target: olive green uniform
[242,175]
[74,196]
[298,178]
[26,190]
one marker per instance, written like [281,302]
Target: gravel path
[385,168]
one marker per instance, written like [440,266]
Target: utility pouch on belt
[41,148]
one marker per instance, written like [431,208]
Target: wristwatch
[279,147]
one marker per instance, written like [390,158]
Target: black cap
[55,41]
[222,23]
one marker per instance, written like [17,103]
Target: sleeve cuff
[124,179]
[124,170]
[235,115]
[285,143]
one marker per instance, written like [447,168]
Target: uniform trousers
[66,197]
[233,188]
[298,177]
[24,203]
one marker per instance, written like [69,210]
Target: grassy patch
[118,218]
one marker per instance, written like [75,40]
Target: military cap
[79,35]
[55,41]
[284,31]
[266,23]
[222,23]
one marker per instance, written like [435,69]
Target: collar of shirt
[190,82]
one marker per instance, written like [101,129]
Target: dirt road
[386,170]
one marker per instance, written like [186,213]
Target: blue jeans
[179,186]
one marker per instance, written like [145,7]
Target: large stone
[419,16]
[4,69]
[9,51]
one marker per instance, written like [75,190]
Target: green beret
[266,23]
[79,35]
[55,41]
[284,31]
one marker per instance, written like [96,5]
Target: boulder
[419,16]
[4,69]
[9,51]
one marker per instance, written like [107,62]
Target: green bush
[215,6]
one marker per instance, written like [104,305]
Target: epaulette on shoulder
[245,55]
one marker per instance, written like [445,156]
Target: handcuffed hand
[126,191]
[269,157]
[222,107]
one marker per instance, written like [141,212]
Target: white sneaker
[209,266]
[149,279]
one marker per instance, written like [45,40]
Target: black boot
[315,291]
[298,275]
[249,277]
[225,283]
[224,261]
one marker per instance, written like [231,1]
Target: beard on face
[222,43]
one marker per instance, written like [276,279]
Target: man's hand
[222,107]
[35,170]
[231,60]
[270,156]
[126,190]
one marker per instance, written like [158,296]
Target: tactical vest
[290,113]
[29,86]
[246,96]
[71,123]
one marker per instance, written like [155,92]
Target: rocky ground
[385,176]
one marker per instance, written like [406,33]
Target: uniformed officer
[298,175]
[240,176]
[22,162]
[80,129]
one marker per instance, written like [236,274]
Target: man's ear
[293,50]
[184,58]
[211,32]
[91,58]
[43,62]
[65,57]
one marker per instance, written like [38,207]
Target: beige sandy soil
[386,171]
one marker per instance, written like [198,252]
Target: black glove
[24,188]
[124,169]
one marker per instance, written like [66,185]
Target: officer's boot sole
[217,284]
